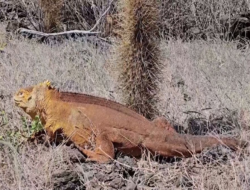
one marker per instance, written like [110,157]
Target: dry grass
[211,74]
[203,76]
[199,19]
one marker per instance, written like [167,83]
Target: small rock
[131,185]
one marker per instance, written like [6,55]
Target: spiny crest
[46,83]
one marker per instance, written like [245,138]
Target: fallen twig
[43,34]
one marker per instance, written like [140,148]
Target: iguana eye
[20,93]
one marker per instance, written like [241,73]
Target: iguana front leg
[50,131]
[104,150]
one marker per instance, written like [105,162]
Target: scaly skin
[98,126]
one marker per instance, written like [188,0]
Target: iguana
[98,126]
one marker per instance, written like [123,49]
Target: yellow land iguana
[106,126]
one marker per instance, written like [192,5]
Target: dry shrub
[138,55]
[51,10]
[83,14]
[180,19]
[54,15]
[199,19]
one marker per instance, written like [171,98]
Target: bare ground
[208,81]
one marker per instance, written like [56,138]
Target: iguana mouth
[17,102]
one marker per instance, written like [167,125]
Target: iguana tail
[186,145]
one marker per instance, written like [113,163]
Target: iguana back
[88,99]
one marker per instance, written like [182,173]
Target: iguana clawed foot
[93,156]
[104,150]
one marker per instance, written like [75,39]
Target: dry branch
[43,34]
[104,13]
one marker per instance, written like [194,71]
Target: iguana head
[30,99]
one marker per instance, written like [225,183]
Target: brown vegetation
[52,15]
